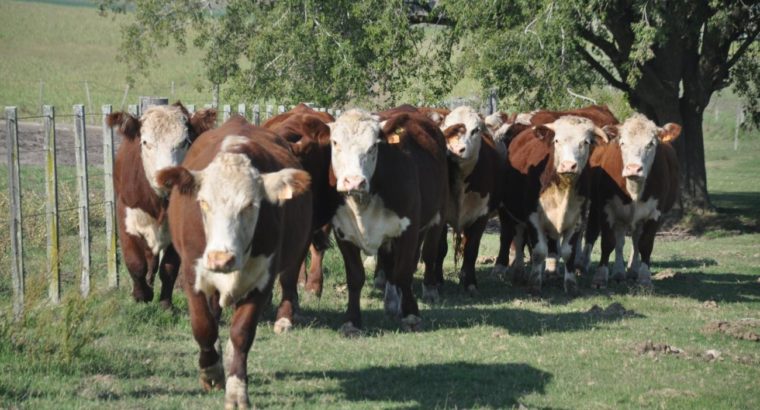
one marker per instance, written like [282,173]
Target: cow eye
[248,206]
[651,144]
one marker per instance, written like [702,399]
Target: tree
[668,57]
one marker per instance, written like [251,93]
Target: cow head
[229,192]
[165,133]
[355,138]
[572,138]
[463,129]
[638,140]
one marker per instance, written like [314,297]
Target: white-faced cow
[393,180]
[240,214]
[476,176]
[159,139]
[548,185]
[636,181]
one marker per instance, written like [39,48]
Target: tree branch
[598,67]
[607,47]
[742,49]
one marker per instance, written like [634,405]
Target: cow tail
[458,248]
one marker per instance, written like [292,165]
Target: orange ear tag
[394,139]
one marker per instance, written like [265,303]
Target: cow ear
[454,131]
[129,126]
[202,121]
[544,132]
[186,181]
[612,131]
[285,184]
[669,132]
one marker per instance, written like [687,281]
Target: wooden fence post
[241,110]
[256,114]
[14,189]
[51,189]
[226,111]
[80,146]
[269,111]
[132,109]
[112,268]
[281,109]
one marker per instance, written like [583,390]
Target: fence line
[14,188]
[80,147]
[109,201]
[51,189]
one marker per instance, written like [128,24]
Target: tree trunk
[691,158]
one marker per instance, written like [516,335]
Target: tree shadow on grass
[720,287]
[449,385]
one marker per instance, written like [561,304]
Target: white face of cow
[573,138]
[164,141]
[355,137]
[638,142]
[464,146]
[229,193]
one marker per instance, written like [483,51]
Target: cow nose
[568,166]
[354,183]
[460,151]
[633,170]
[222,261]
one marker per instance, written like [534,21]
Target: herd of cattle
[241,205]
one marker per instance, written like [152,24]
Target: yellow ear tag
[395,138]
[285,193]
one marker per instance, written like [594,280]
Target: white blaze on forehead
[354,136]
[466,146]
[164,140]
[638,142]
[573,137]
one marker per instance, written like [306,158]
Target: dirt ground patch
[744,329]
[31,137]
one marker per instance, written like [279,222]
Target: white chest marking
[559,210]
[235,285]
[139,223]
[368,227]
[632,214]
[468,207]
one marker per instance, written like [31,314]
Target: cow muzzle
[353,184]
[219,261]
[633,171]
[567,167]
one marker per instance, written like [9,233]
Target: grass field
[502,349]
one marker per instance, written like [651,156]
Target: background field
[501,349]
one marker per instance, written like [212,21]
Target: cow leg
[634,262]
[320,243]
[391,293]
[567,249]
[538,255]
[506,235]
[405,256]
[608,244]
[134,258]
[352,261]
[206,332]
[591,234]
[517,266]
[618,269]
[242,332]
[382,271]
[551,264]
[433,265]
[443,249]
[289,285]
[167,271]
[646,244]
[472,236]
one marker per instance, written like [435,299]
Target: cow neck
[635,188]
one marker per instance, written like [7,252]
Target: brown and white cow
[159,139]
[504,127]
[393,180]
[548,184]
[476,175]
[307,131]
[240,214]
[636,181]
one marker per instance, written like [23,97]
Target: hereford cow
[548,186]
[306,130]
[393,181]
[159,139]
[635,183]
[476,175]
[240,214]
[503,128]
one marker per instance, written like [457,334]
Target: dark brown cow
[240,214]
[636,181]
[309,136]
[476,175]
[393,181]
[157,140]
[548,185]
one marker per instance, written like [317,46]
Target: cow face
[229,192]
[164,140]
[572,140]
[463,143]
[638,140]
[355,139]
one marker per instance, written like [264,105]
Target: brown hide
[298,109]
[599,114]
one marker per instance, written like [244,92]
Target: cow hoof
[472,290]
[282,325]
[311,296]
[645,276]
[600,278]
[236,394]
[571,286]
[411,323]
[380,280]
[430,294]
[349,330]
[551,267]
[166,305]
[499,270]
[392,300]
[212,377]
